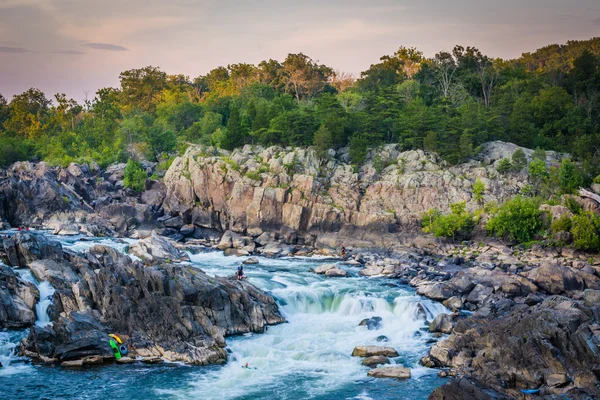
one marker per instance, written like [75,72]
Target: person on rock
[343,251]
[240,272]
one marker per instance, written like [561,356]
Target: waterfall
[46,296]
[41,309]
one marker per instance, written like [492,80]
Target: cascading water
[308,357]
[46,292]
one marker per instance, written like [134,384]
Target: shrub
[586,231]
[519,160]
[378,163]
[458,224]
[563,223]
[134,176]
[519,219]
[254,175]
[478,189]
[358,149]
[573,205]
[596,179]
[570,179]
[504,166]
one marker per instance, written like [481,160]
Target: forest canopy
[449,104]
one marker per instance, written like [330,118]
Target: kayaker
[240,272]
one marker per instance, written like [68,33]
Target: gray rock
[374,361]
[591,297]
[372,323]
[156,248]
[395,372]
[369,351]
[441,323]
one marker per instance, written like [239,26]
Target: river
[307,358]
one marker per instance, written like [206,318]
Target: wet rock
[251,261]
[154,302]
[26,247]
[17,300]
[382,338]
[395,372]
[454,303]
[372,323]
[73,363]
[126,360]
[374,361]
[235,252]
[368,351]
[426,362]
[336,273]
[187,230]
[462,389]
[152,360]
[441,323]
[322,269]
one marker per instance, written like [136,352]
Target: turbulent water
[308,357]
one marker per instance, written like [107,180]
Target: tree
[570,179]
[323,141]
[303,76]
[141,88]
[29,111]
[519,160]
[444,67]
[359,147]
[234,136]
[478,190]
[519,219]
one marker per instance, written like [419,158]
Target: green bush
[570,179]
[573,205]
[563,223]
[519,219]
[134,176]
[478,189]
[586,231]
[519,160]
[358,149]
[254,175]
[504,166]
[458,224]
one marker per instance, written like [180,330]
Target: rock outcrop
[17,300]
[301,199]
[173,311]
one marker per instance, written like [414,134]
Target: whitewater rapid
[307,357]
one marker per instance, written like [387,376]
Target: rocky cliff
[256,190]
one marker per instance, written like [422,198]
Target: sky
[78,46]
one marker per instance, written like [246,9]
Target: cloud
[105,46]
[70,52]
[596,21]
[14,50]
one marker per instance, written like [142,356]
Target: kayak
[115,348]
[530,391]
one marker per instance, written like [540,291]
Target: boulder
[591,297]
[336,273]
[479,293]
[395,372]
[251,261]
[26,247]
[235,253]
[555,279]
[372,323]
[369,351]
[155,248]
[441,323]
[17,300]
[323,268]
[374,361]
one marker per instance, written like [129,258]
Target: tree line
[449,104]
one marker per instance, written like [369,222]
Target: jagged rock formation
[17,300]
[167,310]
[77,199]
[298,196]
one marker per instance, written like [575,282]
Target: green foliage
[519,160]
[378,163]
[254,175]
[504,166]
[570,179]
[586,231]
[564,223]
[134,176]
[323,141]
[459,224]
[573,205]
[596,180]
[519,219]
[359,147]
[450,104]
[478,190]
